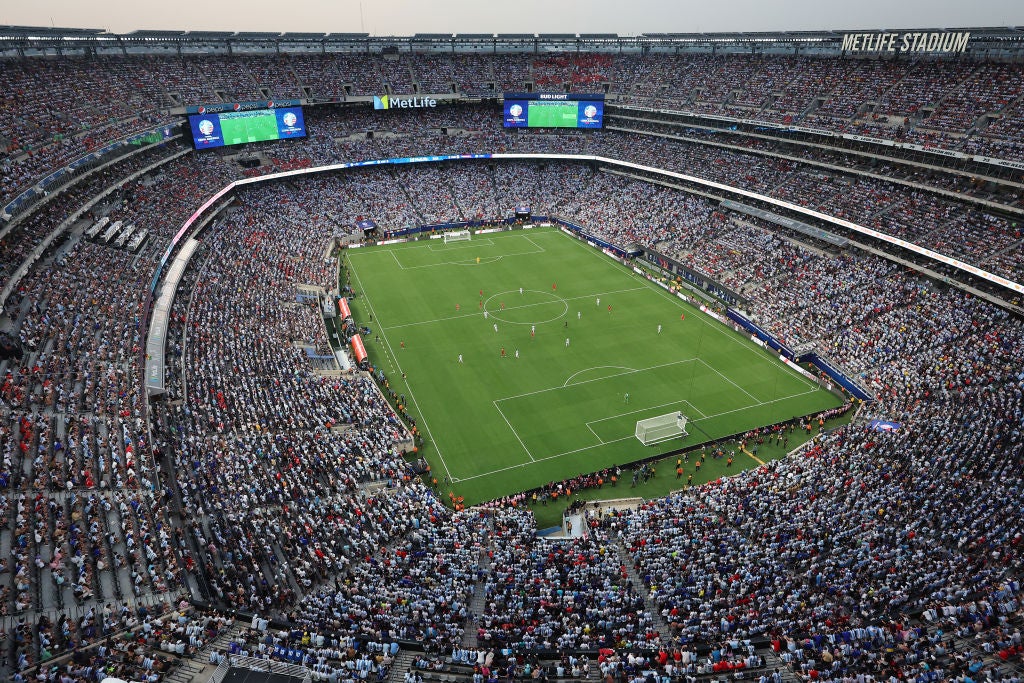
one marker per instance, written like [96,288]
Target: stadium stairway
[197,666]
[659,623]
[773,662]
[401,665]
[478,601]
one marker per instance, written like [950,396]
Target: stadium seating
[278,491]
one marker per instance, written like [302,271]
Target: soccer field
[248,127]
[499,425]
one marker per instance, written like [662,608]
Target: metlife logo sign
[392,102]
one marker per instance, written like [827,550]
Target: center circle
[532,307]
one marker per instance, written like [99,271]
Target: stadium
[476,357]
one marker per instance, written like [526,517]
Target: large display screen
[553,110]
[239,127]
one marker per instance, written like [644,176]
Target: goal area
[457,236]
[654,430]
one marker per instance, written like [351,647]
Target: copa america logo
[289,119]
[590,111]
[516,110]
[206,126]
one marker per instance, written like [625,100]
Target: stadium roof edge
[249,35]
[210,34]
[985,40]
[51,31]
[150,33]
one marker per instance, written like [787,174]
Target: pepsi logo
[237,107]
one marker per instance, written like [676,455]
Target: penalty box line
[486,259]
[486,241]
[625,438]
[493,236]
[597,379]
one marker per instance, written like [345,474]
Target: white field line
[700,318]
[596,379]
[598,367]
[719,373]
[514,432]
[423,417]
[643,410]
[484,241]
[625,438]
[510,308]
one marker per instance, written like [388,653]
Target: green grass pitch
[248,127]
[500,425]
[553,115]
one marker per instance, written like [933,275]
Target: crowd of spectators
[45,124]
[300,506]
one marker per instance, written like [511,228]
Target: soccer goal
[457,236]
[662,428]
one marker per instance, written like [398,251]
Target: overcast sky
[405,17]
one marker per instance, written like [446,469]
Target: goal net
[457,236]
[662,428]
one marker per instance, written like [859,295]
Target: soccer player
[517,354]
[458,307]
[533,330]
[625,399]
[659,329]
[402,343]
[609,308]
[495,327]
[460,357]
[481,292]
[566,342]
[598,301]
[579,315]
[520,291]
[485,315]
[682,316]
[502,351]
[554,286]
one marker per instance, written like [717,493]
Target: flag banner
[883,425]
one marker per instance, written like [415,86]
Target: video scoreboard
[239,127]
[553,110]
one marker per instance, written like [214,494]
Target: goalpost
[457,236]
[662,428]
